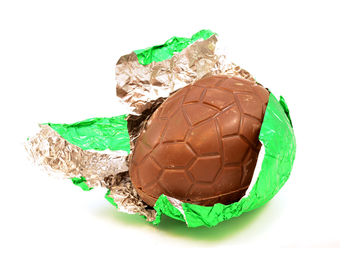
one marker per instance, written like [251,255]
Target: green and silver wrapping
[94,152]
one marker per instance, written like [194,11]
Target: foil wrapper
[138,85]
[126,198]
[106,169]
[57,156]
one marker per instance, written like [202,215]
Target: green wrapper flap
[96,133]
[163,206]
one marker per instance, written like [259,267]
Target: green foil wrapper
[96,133]
[171,46]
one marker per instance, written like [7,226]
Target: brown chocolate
[201,145]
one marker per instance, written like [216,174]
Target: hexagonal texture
[170,107]
[231,154]
[218,98]
[201,145]
[205,169]
[142,151]
[148,171]
[235,84]
[199,191]
[152,134]
[176,128]
[155,188]
[171,179]
[197,112]
[250,129]
[251,105]
[204,139]
[172,155]
[229,121]
[194,94]
[229,179]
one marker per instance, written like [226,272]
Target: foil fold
[108,169]
[125,196]
[57,156]
[138,85]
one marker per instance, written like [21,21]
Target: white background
[57,64]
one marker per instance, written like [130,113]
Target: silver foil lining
[108,169]
[126,197]
[57,156]
[138,85]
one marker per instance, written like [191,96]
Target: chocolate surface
[201,145]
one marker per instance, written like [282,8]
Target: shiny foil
[138,85]
[52,152]
[106,169]
[126,198]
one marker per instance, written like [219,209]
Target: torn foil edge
[138,85]
[178,205]
[57,156]
[125,196]
[107,168]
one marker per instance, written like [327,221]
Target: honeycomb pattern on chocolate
[201,145]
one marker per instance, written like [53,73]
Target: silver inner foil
[108,169]
[57,156]
[126,197]
[138,85]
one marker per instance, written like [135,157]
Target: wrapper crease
[96,133]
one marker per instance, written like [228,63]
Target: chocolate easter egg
[201,145]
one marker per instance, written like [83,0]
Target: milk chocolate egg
[201,145]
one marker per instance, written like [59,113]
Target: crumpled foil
[138,85]
[52,152]
[126,197]
[108,169]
